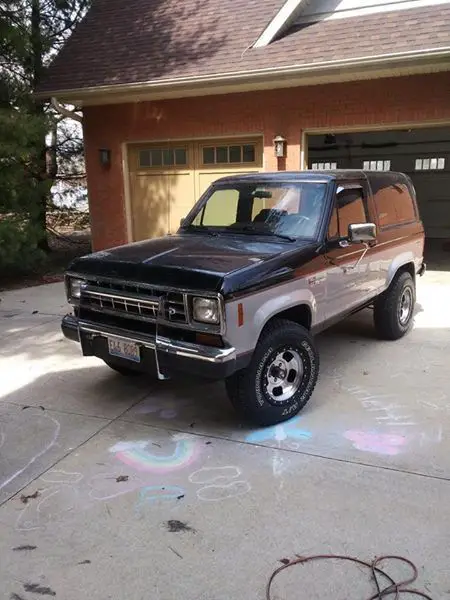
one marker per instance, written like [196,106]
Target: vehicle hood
[222,263]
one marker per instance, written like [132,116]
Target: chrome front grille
[135,302]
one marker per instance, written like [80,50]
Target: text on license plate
[124,349]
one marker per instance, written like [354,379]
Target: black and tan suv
[260,264]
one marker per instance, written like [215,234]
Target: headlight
[206,310]
[75,286]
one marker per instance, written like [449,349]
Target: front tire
[280,378]
[394,309]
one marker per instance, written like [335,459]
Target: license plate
[124,349]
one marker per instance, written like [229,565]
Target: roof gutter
[251,74]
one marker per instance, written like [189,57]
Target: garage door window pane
[144,158]
[235,154]
[430,164]
[377,165]
[156,157]
[208,156]
[180,156]
[168,157]
[248,154]
[324,166]
[222,154]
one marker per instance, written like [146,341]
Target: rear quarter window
[394,203]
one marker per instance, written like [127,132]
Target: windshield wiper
[251,229]
[200,229]
[283,236]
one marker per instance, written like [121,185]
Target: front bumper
[165,355]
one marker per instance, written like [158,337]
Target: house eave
[374,67]
[284,17]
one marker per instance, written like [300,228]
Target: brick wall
[424,98]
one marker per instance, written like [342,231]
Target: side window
[350,207]
[394,205]
[333,229]
[406,211]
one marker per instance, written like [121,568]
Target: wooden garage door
[167,179]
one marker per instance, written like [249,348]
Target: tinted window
[394,204]
[350,208]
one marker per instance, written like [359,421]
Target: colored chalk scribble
[138,456]
[279,433]
[157,493]
[388,444]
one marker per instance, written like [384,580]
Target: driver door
[348,273]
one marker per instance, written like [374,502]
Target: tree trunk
[51,160]
[41,167]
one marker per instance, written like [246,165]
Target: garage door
[423,154]
[167,179]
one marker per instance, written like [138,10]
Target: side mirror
[359,233]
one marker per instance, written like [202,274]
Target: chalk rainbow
[137,456]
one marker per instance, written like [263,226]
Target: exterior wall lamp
[105,157]
[279,146]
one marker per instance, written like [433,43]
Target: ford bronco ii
[260,264]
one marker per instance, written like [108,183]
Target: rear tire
[280,378]
[394,309]
[123,370]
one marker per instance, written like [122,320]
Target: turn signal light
[240,314]
[207,339]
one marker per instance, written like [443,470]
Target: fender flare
[405,258]
[275,306]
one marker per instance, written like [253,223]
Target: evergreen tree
[31,33]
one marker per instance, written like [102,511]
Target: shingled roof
[146,41]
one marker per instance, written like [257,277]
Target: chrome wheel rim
[283,375]
[405,306]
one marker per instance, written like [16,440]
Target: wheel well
[408,268]
[300,314]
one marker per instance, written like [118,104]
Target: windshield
[285,210]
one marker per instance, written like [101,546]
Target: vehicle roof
[322,176]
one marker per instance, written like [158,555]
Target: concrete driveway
[131,489]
